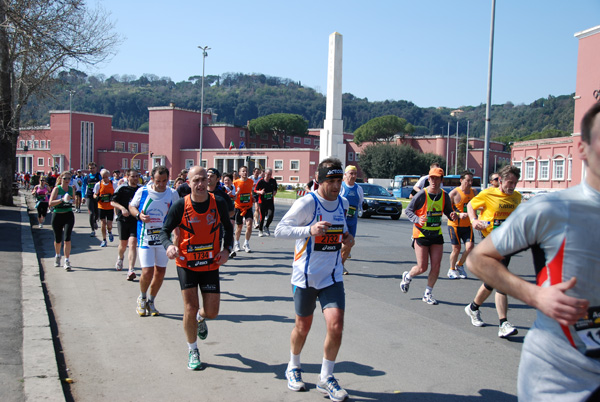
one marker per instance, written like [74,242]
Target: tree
[38,39]
[386,161]
[279,125]
[382,128]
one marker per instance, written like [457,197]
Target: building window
[189,163]
[278,164]
[144,147]
[133,147]
[529,170]
[145,164]
[317,143]
[204,163]
[264,136]
[21,144]
[569,168]
[29,144]
[278,178]
[87,144]
[43,144]
[297,140]
[288,138]
[124,163]
[40,161]
[350,156]
[252,135]
[48,144]
[294,179]
[120,146]
[558,172]
[544,170]
[50,162]
[307,141]
[518,166]
[36,144]
[357,156]
[242,134]
[295,165]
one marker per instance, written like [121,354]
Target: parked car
[378,201]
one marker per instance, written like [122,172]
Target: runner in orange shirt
[243,209]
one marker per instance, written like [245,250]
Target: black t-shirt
[220,191]
[123,196]
[270,188]
[183,190]
[175,216]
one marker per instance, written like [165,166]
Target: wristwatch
[137,216]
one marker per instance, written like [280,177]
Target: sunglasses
[495,179]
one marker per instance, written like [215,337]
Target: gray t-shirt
[558,362]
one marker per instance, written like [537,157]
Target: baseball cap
[214,171]
[436,172]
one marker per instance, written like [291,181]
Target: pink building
[554,163]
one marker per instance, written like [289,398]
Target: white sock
[199,317]
[408,277]
[66,259]
[193,346]
[294,361]
[428,290]
[57,255]
[327,369]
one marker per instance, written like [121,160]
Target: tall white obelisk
[332,134]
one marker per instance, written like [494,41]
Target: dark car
[378,201]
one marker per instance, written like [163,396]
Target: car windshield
[375,191]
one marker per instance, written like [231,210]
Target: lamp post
[486,155]
[71,92]
[204,54]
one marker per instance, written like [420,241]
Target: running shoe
[67,265]
[111,238]
[141,306]
[506,329]
[130,275]
[247,248]
[57,261]
[452,274]
[119,265]
[345,271]
[267,232]
[232,254]
[294,377]
[194,362]
[151,309]
[462,273]
[405,284]
[474,315]
[331,387]
[93,234]
[103,244]
[236,246]
[202,329]
[429,299]
[261,233]
[255,225]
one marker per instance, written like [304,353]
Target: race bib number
[434,219]
[588,330]
[245,198]
[267,196]
[153,239]
[105,198]
[351,212]
[331,240]
[199,255]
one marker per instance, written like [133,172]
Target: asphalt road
[395,347]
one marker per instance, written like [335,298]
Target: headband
[328,173]
[350,168]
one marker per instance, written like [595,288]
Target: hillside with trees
[239,98]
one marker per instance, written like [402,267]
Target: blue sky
[429,52]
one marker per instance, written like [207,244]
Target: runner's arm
[172,221]
[294,223]
[415,203]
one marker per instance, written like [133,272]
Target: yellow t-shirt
[496,205]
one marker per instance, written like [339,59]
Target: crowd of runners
[199,222]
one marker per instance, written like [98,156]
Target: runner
[355,196]
[496,204]
[214,186]
[200,217]
[560,360]
[89,181]
[460,229]
[256,176]
[103,192]
[425,211]
[494,180]
[243,209]
[149,206]
[126,222]
[317,222]
[63,219]
[423,181]
[266,189]
[77,184]
[41,193]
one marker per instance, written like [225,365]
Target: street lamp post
[204,54]
[71,92]
[486,155]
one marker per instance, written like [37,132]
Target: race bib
[588,330]
[199,255]
[434,219]
[267,196]
[331,240]
[105,198]
[497,223]
[351,212]
[152,236]
[245,198]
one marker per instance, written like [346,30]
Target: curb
[41,381]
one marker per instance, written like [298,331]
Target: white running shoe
[247,248]
[119,265]
[131,275]
[236,246]
[474,315]
[267,232]
[331,388]
[57,261]
[67,265]
[462,273]
[294,377]
[261,233]
[405,284]
[151,309]
[429,299]
[141,306]
[506,330]
[452,274]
